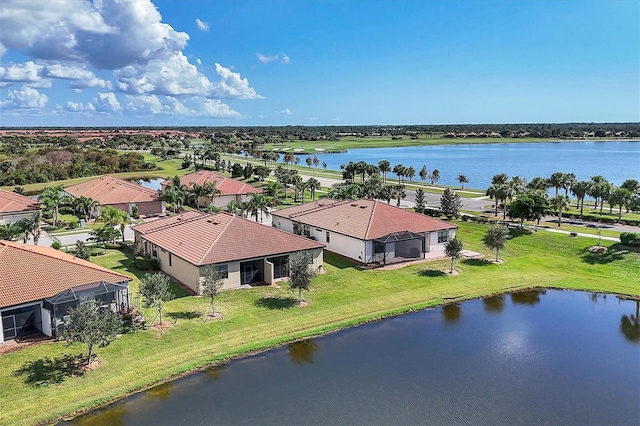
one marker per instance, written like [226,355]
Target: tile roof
[205,238]
[225,185]
[363,219]
[11,202]
[110,190]
[30,273]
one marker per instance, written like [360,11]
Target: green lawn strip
[260,318]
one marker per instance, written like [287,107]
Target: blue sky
[267,62]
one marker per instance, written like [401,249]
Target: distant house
[14,207]
[230,189]
[245,251]
[120,194]
[367,231]
[39,284]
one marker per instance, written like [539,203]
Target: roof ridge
[233,216]
[169,223]
[318,207]
[64,257]
[366,232]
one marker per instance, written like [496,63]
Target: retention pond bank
[559,357]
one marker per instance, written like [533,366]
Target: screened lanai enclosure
[107,295]
[398,247]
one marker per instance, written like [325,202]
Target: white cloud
[107,102]
[29,73]
[266,59]
[26,97]
[285,111]
[80,76]
[192,106]
[3,50]
[232,85]
[199,61]
[202,26]
[80,107]
[285,59]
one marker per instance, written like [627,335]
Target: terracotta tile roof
[205,238]
[362,219]
[225,185]
[110,190]
[30,273]
[11,202]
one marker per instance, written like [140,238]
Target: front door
[248,272]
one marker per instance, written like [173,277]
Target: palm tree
[619,197]
[51,197]
[237,207]
[410,172]
[384,167]
[32,225]
[400,171]
[498,192]
[399,193]
[115,217]
[313,184]
[435,176]
[258,204]
[296,182]
[462,179]
[423,173]
[272,190]
[83,206]
[559,203]
[538,183]
[580,190]
[324,165]
[556,181]
[500,179]
[568,179]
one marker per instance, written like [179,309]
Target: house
[246,252]
[14,207]
[367,231]
[39,284]
[120,194]
[230,189]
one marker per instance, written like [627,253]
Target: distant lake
[615,160]
[535,357]
[152,183]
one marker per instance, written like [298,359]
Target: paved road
[71,238]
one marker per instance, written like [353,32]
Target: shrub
[56,245]
[630,239]
[146,263]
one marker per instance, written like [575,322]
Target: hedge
[630,239]
[146,263]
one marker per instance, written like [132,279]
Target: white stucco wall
[7,218]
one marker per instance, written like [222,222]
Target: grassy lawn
[264,317]
[385,142]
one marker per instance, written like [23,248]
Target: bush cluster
[146,263]
[630,239]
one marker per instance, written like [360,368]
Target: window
[308,255]
[224,271]
[327,237]
[443,236]
[154,252]
[170,259]
[306,230]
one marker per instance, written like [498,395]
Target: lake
[525,358]
[615,160]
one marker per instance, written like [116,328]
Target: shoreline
[320,331]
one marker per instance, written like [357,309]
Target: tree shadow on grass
[613,253]
[185,315]
[49,371]
[476,262]
[340,262]
[276,302]
[432,273]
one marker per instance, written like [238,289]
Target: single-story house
[367,231]
[39,284]
[230,189]
[120,194]
[245,252]
[14,207]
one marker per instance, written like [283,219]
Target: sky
[328,62]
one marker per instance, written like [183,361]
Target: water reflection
[113,416]
[494,304]
[215,372]
[630,325]
[160,392]
[302,352]
[452,313]
[529,297]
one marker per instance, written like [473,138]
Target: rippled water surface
[528,358]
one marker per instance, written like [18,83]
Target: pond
[523,358]
[615,160]
[151,183]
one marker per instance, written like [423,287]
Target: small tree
[212,281]
[496,238]
[462,179]
[420,201]
[450,204]
[82,251]
[453,249]
[300,273]
[155,290]
[91,326]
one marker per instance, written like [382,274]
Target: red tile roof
[225,185]
[30,273]
[110,190]
[363,219]
[205,238]
[10,202]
